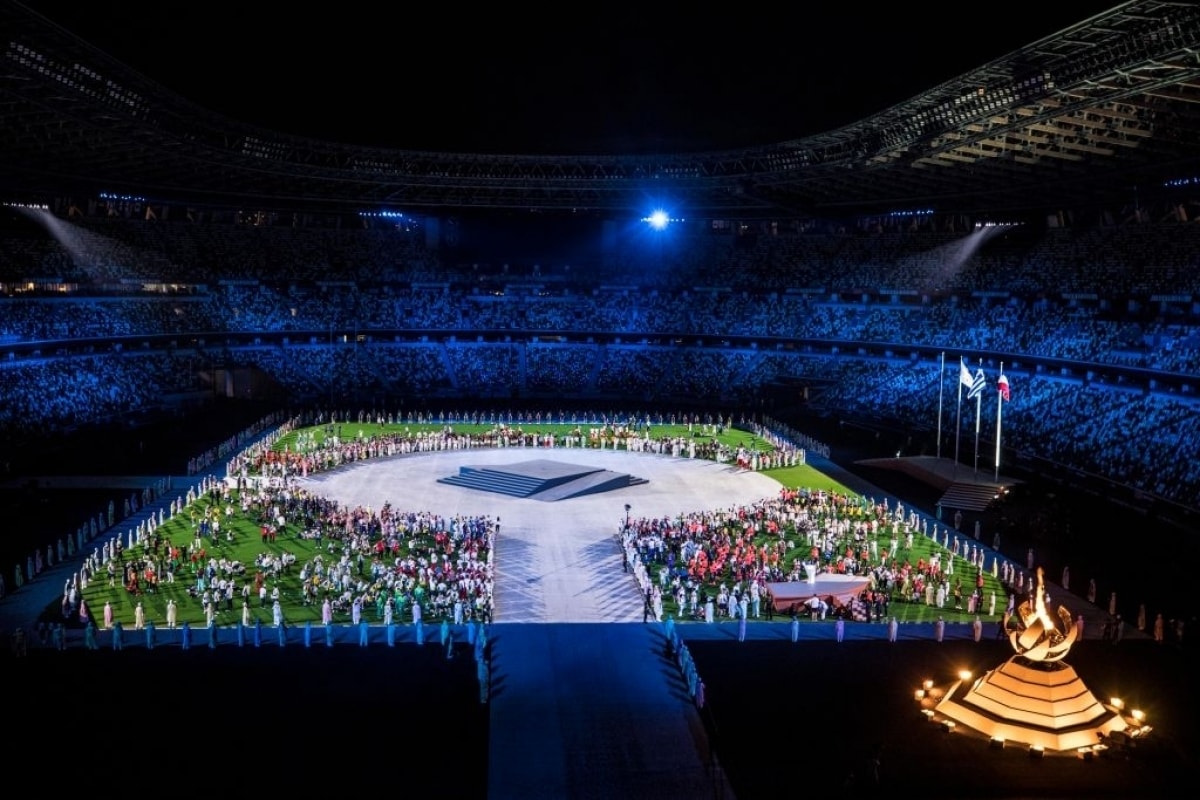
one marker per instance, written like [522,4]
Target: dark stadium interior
[181,259]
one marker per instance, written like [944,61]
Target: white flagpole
[958,416]
[999,410]
[978,408]
[941,391]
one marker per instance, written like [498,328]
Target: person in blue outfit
[241,634]
[185,635]
[308,633]
[485,679]
[150,634]
[258,633]
[329,635]
[481,644]
[118,636]
[363,633]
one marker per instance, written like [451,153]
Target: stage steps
[498,481]
[970,496]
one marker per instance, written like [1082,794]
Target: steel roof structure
[1093,114]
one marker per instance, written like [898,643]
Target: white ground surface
[555,561]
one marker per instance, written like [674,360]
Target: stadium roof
[1103,112]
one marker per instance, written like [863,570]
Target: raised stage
[961,486]
[541,479]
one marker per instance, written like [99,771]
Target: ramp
[594,711]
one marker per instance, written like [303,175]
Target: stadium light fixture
[658,219]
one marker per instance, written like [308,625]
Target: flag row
[977,382]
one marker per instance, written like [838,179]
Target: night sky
[587,79]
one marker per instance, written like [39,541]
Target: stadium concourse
[585,699]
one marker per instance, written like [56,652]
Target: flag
[964,374]
[1002,385]
[977,385]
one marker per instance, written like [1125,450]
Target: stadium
[975,302]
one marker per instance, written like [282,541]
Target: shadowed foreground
[782,717]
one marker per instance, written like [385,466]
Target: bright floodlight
[658,220]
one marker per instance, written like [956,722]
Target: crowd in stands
[60,394]
[1067,330]
[1072,330]
[377,313]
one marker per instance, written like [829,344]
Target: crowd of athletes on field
[382,565]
